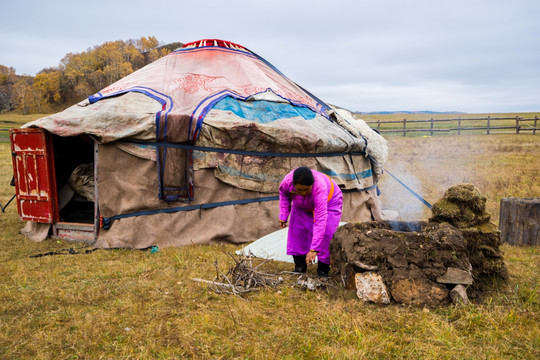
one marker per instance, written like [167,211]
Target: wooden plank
[519,221]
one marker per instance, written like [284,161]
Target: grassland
[499,166]
[14,120]
[131,304]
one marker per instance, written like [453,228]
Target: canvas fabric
[226,130]
[171,100]
[135,188]
[178,90]
[131,115]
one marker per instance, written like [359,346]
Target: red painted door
[33,168]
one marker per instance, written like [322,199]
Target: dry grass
[499,166]
[14,120]
[130,304]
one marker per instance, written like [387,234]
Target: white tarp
[272,246]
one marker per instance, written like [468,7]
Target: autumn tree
[47,85]
[6,74]
[25,97]
[5,99]
[79,75]
[7,79]
[145,44]
[134,56]
[90,71]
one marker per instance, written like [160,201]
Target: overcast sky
[458,55]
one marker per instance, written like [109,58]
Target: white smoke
[395,196]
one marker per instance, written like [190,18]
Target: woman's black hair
[303,176]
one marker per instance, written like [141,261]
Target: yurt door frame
[36,188]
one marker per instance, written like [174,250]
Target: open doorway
[74,171]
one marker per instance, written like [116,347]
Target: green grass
[131,304]
[14,120]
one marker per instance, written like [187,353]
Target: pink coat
[314,218]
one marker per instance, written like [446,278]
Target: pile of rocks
[465,208]
[422,263]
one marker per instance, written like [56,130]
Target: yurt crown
[214,42]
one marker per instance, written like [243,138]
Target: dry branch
[242,277]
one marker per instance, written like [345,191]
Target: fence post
[518,221]
[489,119]
[535,120]
[404,127]
[459,126]
[379,126]
[517,125]
[431,127]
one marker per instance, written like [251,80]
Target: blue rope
[410,190]
[403,184]
[106,221]
[244,152]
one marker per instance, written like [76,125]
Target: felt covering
[126,191]
[220,95]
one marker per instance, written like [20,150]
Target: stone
[455,276]
[310,283]
[370,288]
[459,295]
[367,267]
[418,292]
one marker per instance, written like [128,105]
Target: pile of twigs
[243,277]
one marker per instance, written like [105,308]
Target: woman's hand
[310,257]
[282,224]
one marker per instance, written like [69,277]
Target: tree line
[78,75]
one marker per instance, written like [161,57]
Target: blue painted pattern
[262,111]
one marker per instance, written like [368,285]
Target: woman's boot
[300,265]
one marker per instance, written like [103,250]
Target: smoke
[396,197]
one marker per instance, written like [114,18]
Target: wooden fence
[487,125]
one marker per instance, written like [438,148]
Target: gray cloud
[364,55]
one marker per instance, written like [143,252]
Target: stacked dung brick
[465,208]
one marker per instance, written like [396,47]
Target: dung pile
[425,263]
[418,267]
[461,206]
[465,208]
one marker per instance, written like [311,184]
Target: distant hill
[409,112]
[172,46]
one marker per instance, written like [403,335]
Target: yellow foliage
[146,44]
[81,75]
[153,55]
[48,84]
[25,97]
